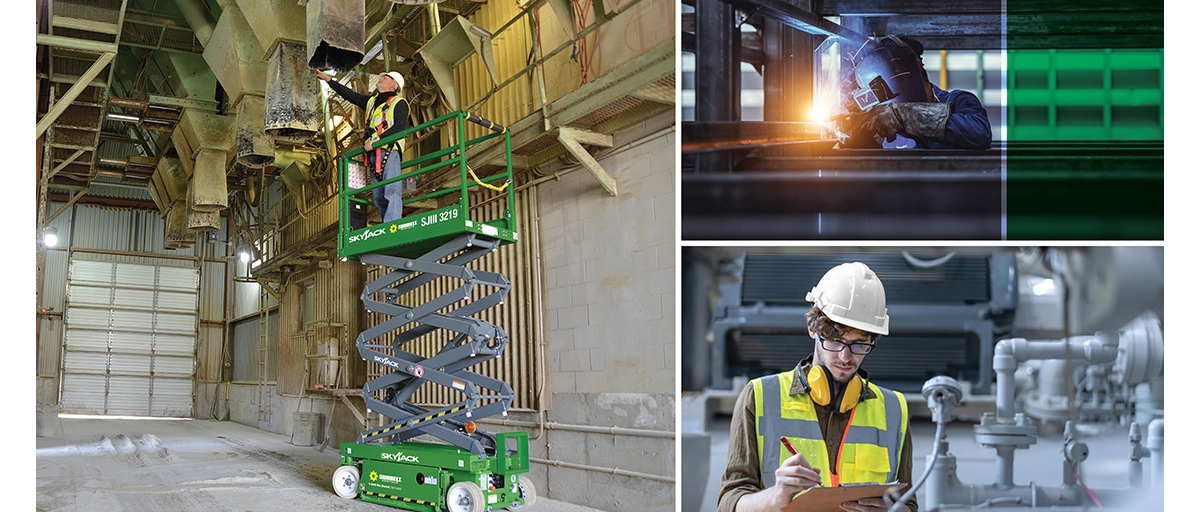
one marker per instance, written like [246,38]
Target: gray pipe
[198,18]
[1097,349]
[611,471]
[1155,440]
[550,425]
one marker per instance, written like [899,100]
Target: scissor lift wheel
[464,497]
[527,492]
[345,482]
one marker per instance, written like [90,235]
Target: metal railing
[444,159]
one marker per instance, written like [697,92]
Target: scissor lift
[475,470]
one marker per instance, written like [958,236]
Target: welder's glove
[914,119]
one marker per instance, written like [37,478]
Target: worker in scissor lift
[893,104]
[386,115]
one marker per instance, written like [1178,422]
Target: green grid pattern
[1110,94]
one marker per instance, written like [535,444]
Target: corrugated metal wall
[246,349]
[510,49]
[520,316]
[132,236]
[337,310]
[621,39]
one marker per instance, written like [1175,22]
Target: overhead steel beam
[940,7]
[88,45]
[80,192]
[61,105]
[714,136]
[799,19]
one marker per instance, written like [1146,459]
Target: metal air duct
[290,110]
[255,148]
[336,37]
[209,191]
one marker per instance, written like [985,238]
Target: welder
[386,115]
[891,98]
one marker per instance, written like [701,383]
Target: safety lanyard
[837,464]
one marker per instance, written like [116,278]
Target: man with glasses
[822,423]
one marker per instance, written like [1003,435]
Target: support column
[787,74]
[718,65]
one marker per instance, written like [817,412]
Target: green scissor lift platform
[474,470]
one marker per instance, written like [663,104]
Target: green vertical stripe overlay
[1085,120]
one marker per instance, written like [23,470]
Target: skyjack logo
[400,457]
[387,361]
[363,236]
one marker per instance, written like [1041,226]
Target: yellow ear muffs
[819,391]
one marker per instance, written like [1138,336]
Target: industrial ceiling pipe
[290,110]
[336,36]
[255,148]
[198,17]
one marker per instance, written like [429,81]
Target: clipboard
[830,499]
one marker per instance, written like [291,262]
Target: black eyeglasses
[861,349]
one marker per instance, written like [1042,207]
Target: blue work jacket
[968,127]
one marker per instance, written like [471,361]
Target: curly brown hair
[828,329]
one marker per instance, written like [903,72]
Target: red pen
[788,444]
[790,448]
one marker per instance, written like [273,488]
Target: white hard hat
[851,294]
[395,75]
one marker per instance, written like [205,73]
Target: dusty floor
[176,466]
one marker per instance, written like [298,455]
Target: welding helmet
[852,295]
[888,69]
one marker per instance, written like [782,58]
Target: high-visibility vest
[871,444]
[381,117]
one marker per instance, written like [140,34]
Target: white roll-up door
[130,339]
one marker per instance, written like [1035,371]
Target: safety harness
[382,124]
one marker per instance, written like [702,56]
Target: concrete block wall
[609,273]
[609,277]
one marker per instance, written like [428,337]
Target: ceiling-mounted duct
[209,192]
[255,148]
[202,222]
[177,235]
[202,130]
[297,170]
[290,110]
[236,57]
[336,37]
[168,183]
[273,20]
[450,47]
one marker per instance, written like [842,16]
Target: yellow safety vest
[871,444]
[381,117]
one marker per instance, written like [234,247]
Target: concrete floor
[1106,467]
[160,465]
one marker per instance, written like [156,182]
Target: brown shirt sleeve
[742,473]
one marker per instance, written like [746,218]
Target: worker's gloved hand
[914,119]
